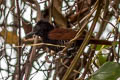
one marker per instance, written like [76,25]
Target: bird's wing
[62,34]
[68,34]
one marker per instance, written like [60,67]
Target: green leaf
[108,71]
[98,47]
[101,59]
[101,46]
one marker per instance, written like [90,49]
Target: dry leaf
[1,1]
[27,26]
[11,37]
[60,20]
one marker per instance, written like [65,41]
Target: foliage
[25,60]
[106,72]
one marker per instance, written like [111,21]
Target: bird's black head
[42,29]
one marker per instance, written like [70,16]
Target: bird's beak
[29,35]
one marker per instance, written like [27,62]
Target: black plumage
[42,29]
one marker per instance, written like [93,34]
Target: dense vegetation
[26,60]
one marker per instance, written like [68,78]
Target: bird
[42,29]
[60,36]
[53,35]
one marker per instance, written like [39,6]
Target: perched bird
[59,36]
[50,34]
[42,29]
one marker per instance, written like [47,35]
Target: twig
[19,43]
[30,62]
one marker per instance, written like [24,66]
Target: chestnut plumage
[50,34]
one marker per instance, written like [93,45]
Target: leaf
[78,15]
[109,71]
[11,37]
[101,59]
[102,46]
[27,26]
[60,20]
[1,1]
